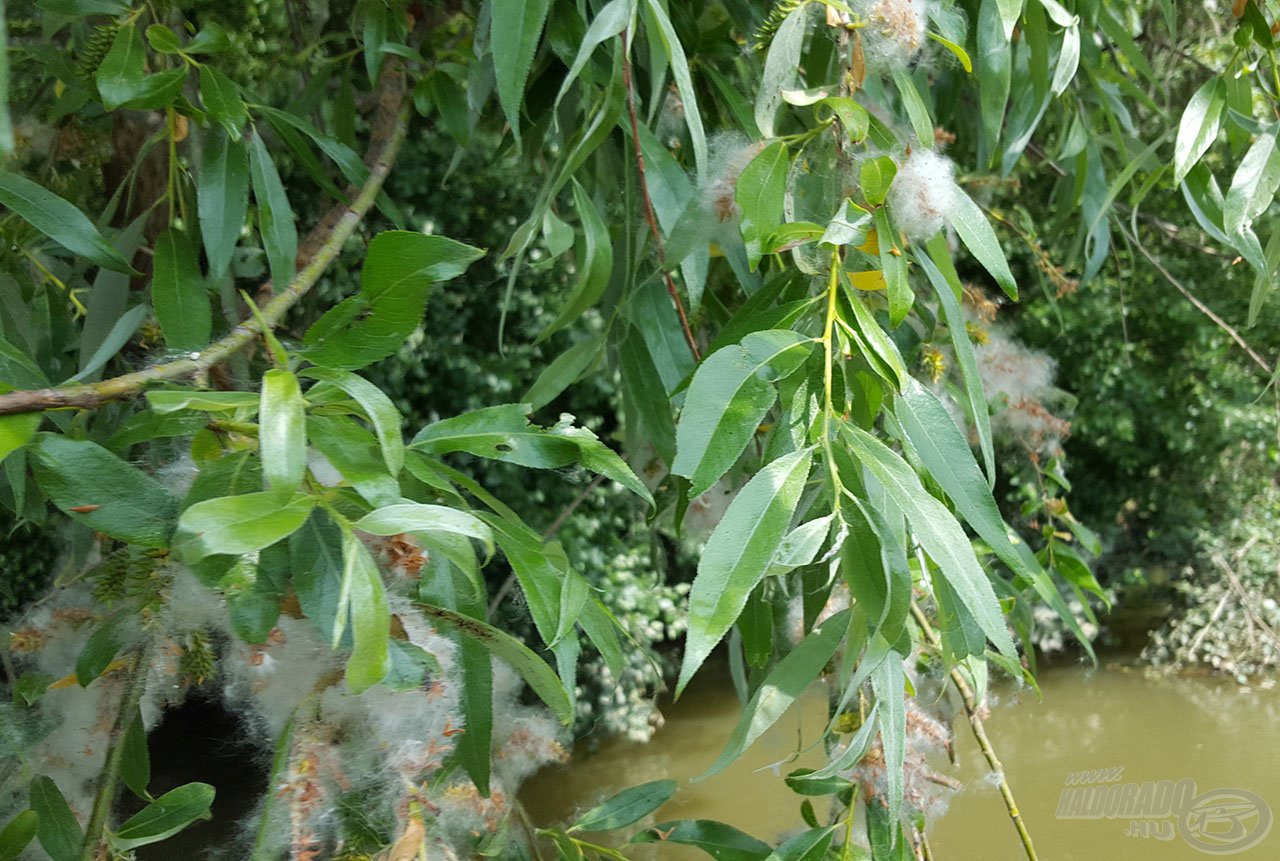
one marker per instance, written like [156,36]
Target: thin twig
[320,248]
[980,733]
[1200,306]
[648,202]
[109,779]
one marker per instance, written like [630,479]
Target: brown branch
[1200,306]
[648,202]
[320,248]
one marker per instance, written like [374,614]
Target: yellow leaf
[872,279]
[872,246]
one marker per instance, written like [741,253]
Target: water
[1209,730]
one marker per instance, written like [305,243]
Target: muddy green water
[1213,732]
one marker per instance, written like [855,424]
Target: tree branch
[648,202]
[320,248]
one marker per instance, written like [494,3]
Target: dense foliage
[717,345]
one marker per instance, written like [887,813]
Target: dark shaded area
[202,741]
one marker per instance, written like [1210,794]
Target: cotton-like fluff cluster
[729,155]
[923,194]
[925,792]
[893,31]
[525,738]
[47,641]
[1021,381]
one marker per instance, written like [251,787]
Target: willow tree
[782,221]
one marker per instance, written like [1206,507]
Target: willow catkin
[95,50]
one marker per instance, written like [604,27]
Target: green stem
[828,336]
[109,779]
[980,733]
[391,125]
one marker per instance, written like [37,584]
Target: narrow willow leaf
[514,30]
[20,830]
[6,148]
[135,762]
[738,553]
[888,683]
[165,817]
[100,490]
[1253,185]
[282,431]
[232,525]
[1198,127]
[976,233]
[938,532]
[363,596]
[995,68]
[609,22]
[57,830]
[642,383]
[170,401]
[1068,60]
[917,110]
[109,298]
[377,406]
[628,806]
[531,668]
[563,372]
[961,54]
[894,268]
[222,100]
[945,453]
[729,396]
[99,650]
[953,315]
[780,67]
[222,197]
[17,431]
[720,841]
[418,517]
[178,294]
[116,338]
[666,33]
[595,267]
[275,217]
[597,457]
[59,220]
[499,433]
[120,73]
[811,845]
[790,678]
[760,193]
[399,268]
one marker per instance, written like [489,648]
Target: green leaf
[178,294]
[976,234]
[116,338]
[780,66]
[563,372]
[760,193]
[222,196]
[135,760]
[609,22]
[100,490]
[253,601]
[221,99]
[642,384]
[399,268]
[158,91]
[594,269]
[961,54]
[60,221]
[498,433]
[163,40]
[531,668]
[995,67]
[738,554]
[16,431]
[630,805]
[100,650]
[234,525]
[945,453]
[354,452]
[1253,186]
[888,683]
[275,217]
[937,530]
[173,400]
[17,833]
[729,396]
[1198,127]
[363,596]
[597,457]
[58,831]
[514,29]
[282,431]
[894,268]
[720,841]
[876,176]
[788,679]
[809,845]
[917,110]
[119,75]
[428,519]
[963,350]
[380,410]
[164,817]
[666,34]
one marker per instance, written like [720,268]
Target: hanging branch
[320,248]
[648,202]
[980,733]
